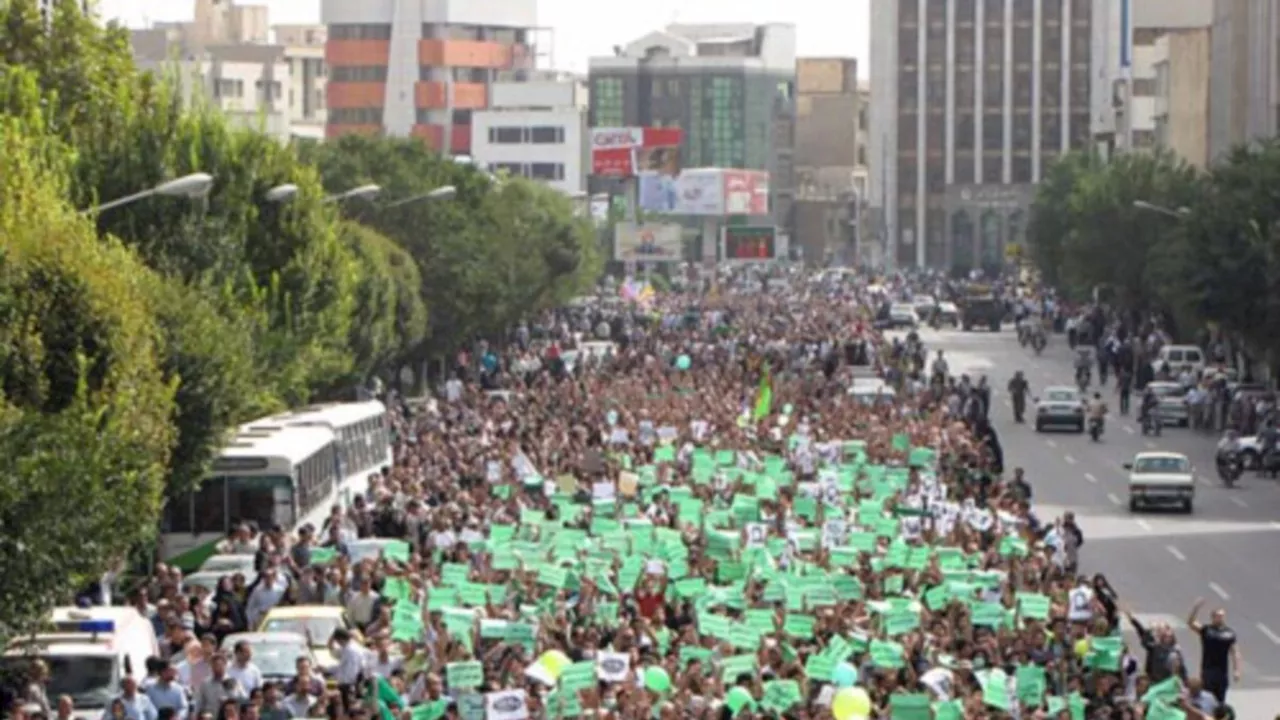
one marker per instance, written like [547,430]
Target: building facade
[830,160]
[420,68]
[535,129]
[1181,108]
[1124,95]
[308,78]
[730,87]
[1244,57]
[967,96]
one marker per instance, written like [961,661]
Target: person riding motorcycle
[1097,408]
[1149,404]
[1228,454]
[1019,388]
[1083,365]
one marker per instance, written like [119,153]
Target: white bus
[286,470]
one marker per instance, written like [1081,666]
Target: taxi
[317,623]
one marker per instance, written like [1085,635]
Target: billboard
[623,152]
[748,242]
[647,242]
[705,192]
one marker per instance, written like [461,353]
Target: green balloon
[657,679]
[683,362]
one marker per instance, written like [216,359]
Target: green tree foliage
[389,313]
[493,253]
[1212,255]
[85,409]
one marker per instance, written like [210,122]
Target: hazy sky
[585,28]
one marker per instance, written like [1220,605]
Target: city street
[1160,562]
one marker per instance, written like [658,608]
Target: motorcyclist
[1228,451]
[1097,410]
[1019,388]
[1149,404]
[1082,366]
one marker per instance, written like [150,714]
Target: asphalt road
[1227,551]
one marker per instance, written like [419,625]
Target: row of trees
[1199,247]
[132,340]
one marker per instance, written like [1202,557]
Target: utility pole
[890,247]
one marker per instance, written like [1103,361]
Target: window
[1023,12]
[965,87]
[909,13]
[992,169]
[936,133]
[993,11]
[513,169]
[1022,41]
[935,89]
[1144,138]
[908,47]
[1079,130]
[673,87]
[548,135]
[359,73]
[964,166]
[1080,11]
[1146,36]
[1021,169]
[359,32]
[1022,88]
[211,507]
[993,88]
[993,47]
[1144,87]
[992,131]
[965,46]
[907,131]
[908,84]
[1051,129]
[1051,86]
[177,514]
[507,135]
[965,10]
[461,117]
[964,131]
[906,175]
[546,171]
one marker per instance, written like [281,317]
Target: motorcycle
[1023,334]
[1230,468]
[1038,342]
[1095,429]
[1083,378]
[1151,424]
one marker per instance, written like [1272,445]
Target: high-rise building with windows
[420,67]
[971,101]
[729,86]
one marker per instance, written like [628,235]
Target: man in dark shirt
[1219,652]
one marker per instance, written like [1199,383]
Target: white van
[1178,357]
[88,651]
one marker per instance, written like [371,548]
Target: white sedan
[1161,478]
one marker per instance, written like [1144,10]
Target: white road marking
[1144,524]
[1275,525]
[1051,443]
[1070,460]
[1270,635]
[1129,429]
[1239,502]
[1217,590]
[1115,499]
[1176,552]
[1090,477]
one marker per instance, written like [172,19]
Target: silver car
[275,653]
[1060,406]
[1171,405]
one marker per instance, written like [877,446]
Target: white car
[1250,452]
[1060,406]
[903,315]
[1161,479]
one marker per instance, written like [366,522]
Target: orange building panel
[464,53]
[432,135]
[335,131]
[343,95]
[357,53]
[466,96]
[461,140]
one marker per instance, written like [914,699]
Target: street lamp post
[1178,213]
[364,191]
[444,192]
[195,185]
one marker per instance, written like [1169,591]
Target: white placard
[506,705]
[612,666]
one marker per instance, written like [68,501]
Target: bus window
[177,514]
[253,499]
[211,507]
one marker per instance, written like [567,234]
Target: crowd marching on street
[756,503]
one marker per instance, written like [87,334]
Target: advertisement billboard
[647,242]
[750,243]
[705,192]
[626,151]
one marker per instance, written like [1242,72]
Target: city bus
[285,470]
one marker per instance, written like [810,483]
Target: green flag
[764,396]
[386,696]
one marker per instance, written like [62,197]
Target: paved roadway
[1227,552]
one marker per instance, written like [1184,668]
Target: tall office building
[971,101]
[420,67]
[1244,85]
[730,87]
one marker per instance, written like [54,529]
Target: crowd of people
[705,522]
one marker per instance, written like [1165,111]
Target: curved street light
[364,191]
[444,192]
[282,193]
[195,185]
[1179,212]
